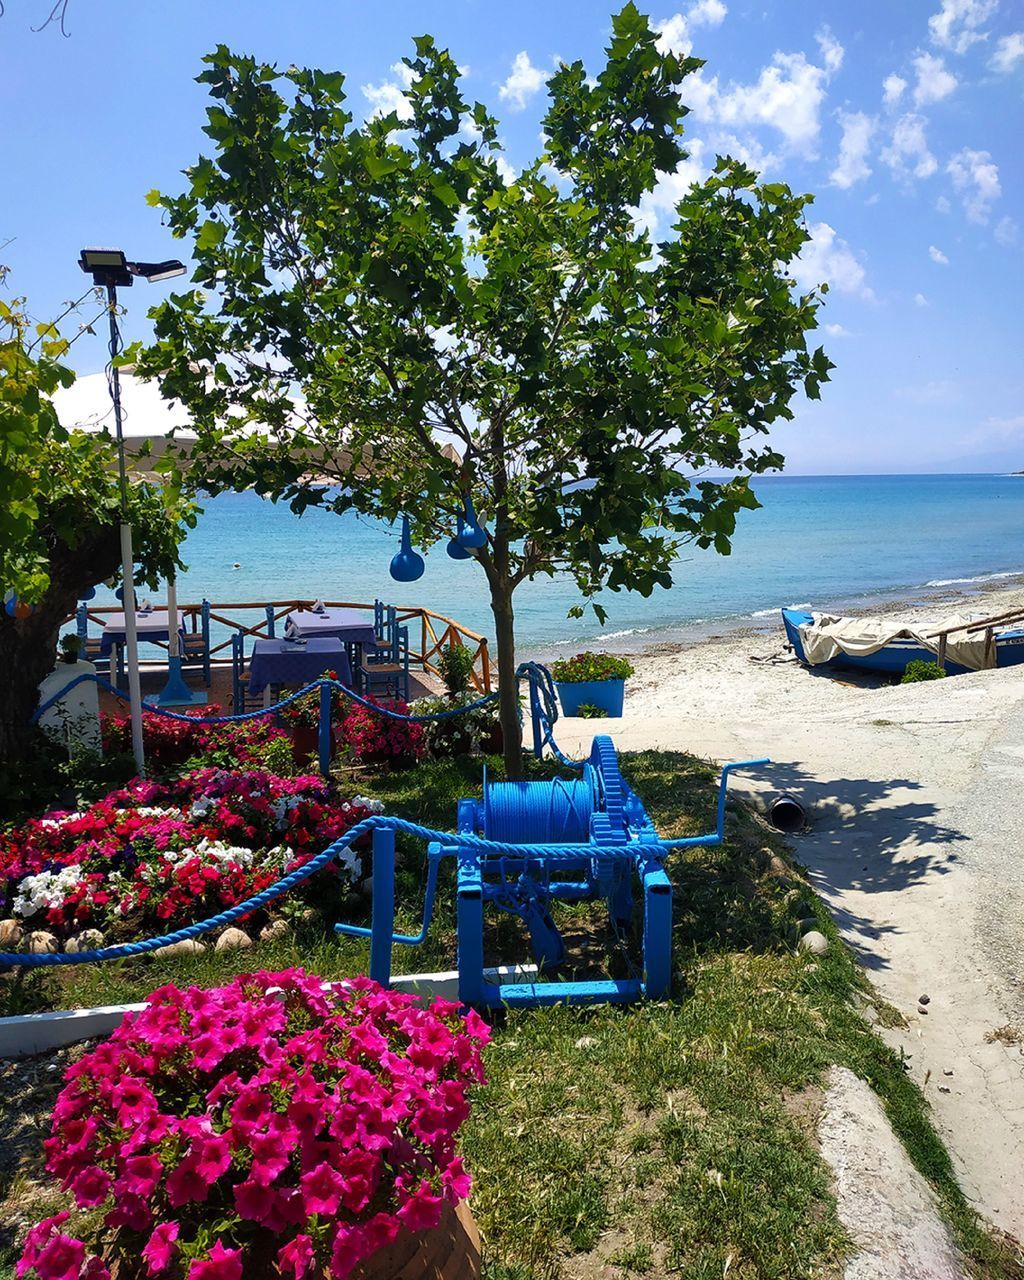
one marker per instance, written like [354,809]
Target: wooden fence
[432,631]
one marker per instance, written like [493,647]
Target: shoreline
[956,595]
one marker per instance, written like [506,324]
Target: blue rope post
[538,737]
[324,728]
[383,913]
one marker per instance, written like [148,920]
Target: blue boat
[893,657]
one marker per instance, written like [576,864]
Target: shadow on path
[866,836]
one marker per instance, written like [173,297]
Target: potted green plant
[70,648]
[593,680]
[456,667]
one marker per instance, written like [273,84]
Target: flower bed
[170,743]
[381,739]
[156,852]
[275,1120]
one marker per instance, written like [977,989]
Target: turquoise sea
[829,541]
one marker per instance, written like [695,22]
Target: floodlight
[106,266]
[154,271]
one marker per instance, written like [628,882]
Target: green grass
[667,1139]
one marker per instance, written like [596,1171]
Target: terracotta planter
[306,742]
[451,1251]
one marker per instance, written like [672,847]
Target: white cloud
[657,207]
[674,32]
[1009,51]
[938,256]
[836,331]
[827,259]
[943,205]
[976,177]
[934,82]
[852,165]
[831,50]
[674,35]
[523,82]
[1006,231]
[920,300]
[707,13]
[787,96]
[907,154]
[937,392]
[957,24]
[389,95]
[892,89]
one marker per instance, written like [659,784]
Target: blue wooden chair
[91,650]
[387,671]
[196,644]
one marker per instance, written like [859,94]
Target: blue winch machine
[526,845]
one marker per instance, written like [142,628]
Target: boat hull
[894,657]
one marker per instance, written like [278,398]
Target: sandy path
[916,842]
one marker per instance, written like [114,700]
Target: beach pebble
[922,1009]
[40,943]
[87,940]
[947,1071]
[233,940]
[186,947]
[11,934]
[276,929]
[924,999]
[814,942]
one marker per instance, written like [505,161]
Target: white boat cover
[825,637]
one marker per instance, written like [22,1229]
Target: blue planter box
[607,694]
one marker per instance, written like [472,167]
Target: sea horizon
[841,542]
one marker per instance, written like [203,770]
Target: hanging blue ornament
[455,548]
[88,595]
[407,565]
[472,536]
[10,604]
[119,594]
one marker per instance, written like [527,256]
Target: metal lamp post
[110,270]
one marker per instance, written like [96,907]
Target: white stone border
[32,1033]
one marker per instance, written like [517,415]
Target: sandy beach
[915,841]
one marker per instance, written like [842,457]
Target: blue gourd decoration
[119,594]
[407,565]
[471,537]
[88,595]
[455,548]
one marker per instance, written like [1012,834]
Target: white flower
[367,802]
[202,806]
[45,890]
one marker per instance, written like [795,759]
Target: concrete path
[916,843]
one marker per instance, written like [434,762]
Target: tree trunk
[508,686]
[28,646]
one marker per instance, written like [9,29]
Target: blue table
[151,627]
[277,662]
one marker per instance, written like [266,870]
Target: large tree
[60,518]
[406,286]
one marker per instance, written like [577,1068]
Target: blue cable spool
[555,812]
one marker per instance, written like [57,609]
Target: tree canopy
[60,517]
[411,290]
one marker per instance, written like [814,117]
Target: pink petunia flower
[297,1256]
[222,1264]
[161,1248]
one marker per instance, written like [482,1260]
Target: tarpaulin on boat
[826,637]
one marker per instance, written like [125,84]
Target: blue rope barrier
[127,950]
[261,711]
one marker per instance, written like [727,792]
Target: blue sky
[903,118]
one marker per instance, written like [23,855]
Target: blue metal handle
[406,939]
[715,837]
